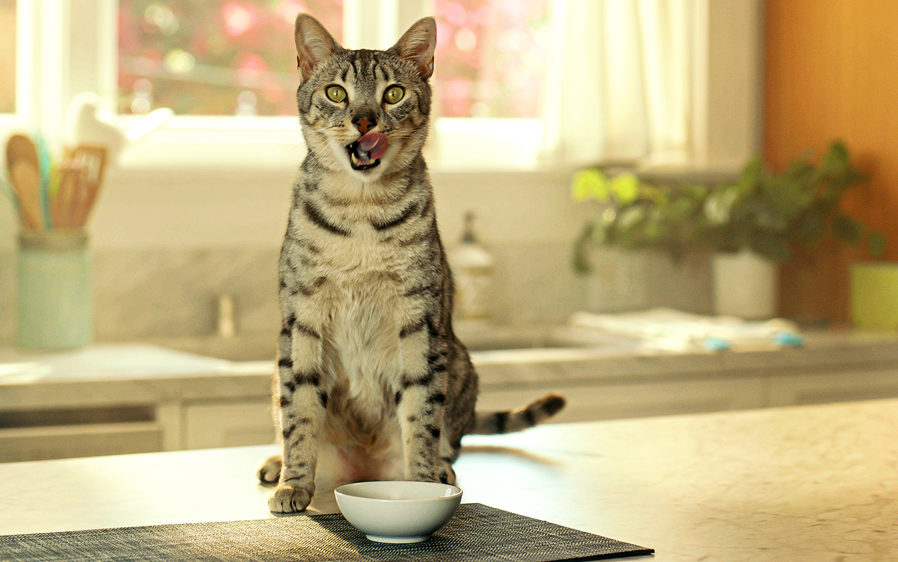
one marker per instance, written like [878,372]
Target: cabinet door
[844,386]
[228,424]
[601,402]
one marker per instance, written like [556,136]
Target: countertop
[798,483]
[135,373]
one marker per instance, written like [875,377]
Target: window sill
[456,147]
[268,143]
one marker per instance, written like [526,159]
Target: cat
[370,374]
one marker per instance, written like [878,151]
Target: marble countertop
[131,373]
[800,483]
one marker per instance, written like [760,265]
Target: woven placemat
[476,532]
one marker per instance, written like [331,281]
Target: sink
[242,347]
[492,337]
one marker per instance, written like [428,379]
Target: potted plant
[634,214]
[758,220]
[654,229]
[750,224]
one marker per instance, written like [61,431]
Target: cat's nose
[364,123]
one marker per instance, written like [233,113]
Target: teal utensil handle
[45,164]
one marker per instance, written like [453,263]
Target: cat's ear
[313,44]
[418,44]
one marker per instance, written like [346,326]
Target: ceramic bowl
[398,512]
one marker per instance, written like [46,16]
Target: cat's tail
[519,418]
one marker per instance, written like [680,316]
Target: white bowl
[398,511]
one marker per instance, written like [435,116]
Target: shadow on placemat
[476,532]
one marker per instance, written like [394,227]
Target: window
[208,57]
[8,56]
[224,58]
[492,57]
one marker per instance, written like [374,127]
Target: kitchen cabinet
[808,388]
[613,401]
[52,442]
[228,424]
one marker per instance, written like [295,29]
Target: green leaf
[835,158]
[718,207]
[625,188]
[589,184]
[877,244]
[768,217]
[630,218]
[771,246]
[581,245]
[809,229]
[752,172]
[787,198]
[654,228]
[847,229]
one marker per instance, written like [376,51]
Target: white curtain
[622,87]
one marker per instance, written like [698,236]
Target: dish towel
[673,329]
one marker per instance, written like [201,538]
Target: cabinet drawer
[54,442]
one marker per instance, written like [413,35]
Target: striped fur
[371,377]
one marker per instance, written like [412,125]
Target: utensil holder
[55,300]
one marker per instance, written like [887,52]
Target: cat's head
[364,112]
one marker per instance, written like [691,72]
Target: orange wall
[831,71]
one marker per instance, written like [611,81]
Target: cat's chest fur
[357,249]
[361,270]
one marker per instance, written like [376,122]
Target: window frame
[23,114]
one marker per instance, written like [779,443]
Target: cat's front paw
[289,499]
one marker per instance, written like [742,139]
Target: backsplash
[173,292]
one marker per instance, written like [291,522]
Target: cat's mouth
[366,152]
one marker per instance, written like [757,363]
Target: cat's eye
[335,93]
[393,94]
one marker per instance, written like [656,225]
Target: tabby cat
[371,378]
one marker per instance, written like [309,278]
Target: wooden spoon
[24,172]
[63,202]
[92,160]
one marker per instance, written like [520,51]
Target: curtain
[623,83]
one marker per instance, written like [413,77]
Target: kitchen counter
[136,372]
[797,483]
[131,398]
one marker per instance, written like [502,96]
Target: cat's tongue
[374,143]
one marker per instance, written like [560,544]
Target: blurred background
[587,156]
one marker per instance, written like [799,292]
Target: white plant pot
[626,280]
[744,285]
